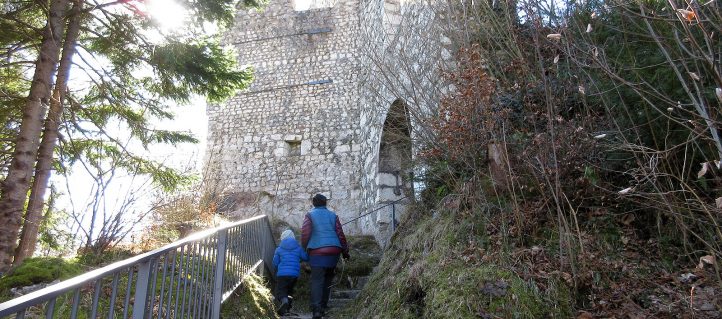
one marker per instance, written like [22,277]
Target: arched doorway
[394,178]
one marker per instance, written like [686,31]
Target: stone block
[386,195]
[292,138]
[339,193]
[386,179]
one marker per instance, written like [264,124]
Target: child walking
[287,261]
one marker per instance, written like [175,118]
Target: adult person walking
[322,235]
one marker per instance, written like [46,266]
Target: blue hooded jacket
[287,258]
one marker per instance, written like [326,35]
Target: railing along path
[391,205]
[189,278]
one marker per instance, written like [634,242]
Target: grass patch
[485,291]
[252,300]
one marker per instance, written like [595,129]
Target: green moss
[252,300]
[423,275]
[458,290]
[39,270]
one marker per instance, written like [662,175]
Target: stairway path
[340,298]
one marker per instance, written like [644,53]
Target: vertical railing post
[268,247]
[262,244]
[141,289]
[220,268]
[393,217]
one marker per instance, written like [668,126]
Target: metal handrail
[214,261]
[392,204]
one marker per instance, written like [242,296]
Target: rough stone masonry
[313,120]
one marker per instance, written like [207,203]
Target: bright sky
[78,189]
[168,13]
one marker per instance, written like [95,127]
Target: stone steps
[345,294]
[340,298]
[339,303]
[298,316]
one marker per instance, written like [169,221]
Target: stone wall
[403,53]
[314,118]
[295,131]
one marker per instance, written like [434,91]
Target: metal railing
[393,213]
[189,278]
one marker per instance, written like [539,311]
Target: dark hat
[318,200]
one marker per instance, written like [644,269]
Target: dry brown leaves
[617,282]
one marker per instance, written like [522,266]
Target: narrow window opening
[293,144]
[294,148]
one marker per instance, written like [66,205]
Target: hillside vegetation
[572,168]
[439,266]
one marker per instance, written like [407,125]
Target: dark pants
[321,279]
[284,287]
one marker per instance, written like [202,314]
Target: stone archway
[394,178]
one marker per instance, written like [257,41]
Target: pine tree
[31,224]
[17,182]
[134,71]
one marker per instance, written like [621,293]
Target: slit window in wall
[303,5]
[293,144]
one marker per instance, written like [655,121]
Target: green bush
[109,256]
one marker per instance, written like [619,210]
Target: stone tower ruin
[313,120]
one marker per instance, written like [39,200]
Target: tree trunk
[33,216]
[15,187]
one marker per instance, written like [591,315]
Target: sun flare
[168,14]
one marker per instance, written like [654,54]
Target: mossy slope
[435,267]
